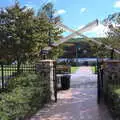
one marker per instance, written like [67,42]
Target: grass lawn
[93,69]
[117,91]
[74,69]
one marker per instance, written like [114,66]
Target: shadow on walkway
[77,103]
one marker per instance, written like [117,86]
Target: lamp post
[112,54]
[44,54]
[77,50]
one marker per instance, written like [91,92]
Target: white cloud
[29,6]
[82,10]
[117,4]
[80,27]
[60,12]
[98,31]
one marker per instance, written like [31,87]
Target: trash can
[65,82]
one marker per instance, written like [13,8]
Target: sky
[77,13]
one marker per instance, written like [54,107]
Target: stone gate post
[47,70]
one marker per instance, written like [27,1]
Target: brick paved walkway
[77,103]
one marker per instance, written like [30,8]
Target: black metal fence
[11,71]
[99,81]
[108,78]
[109,86]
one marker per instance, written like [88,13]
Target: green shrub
[25,94]
[113,101]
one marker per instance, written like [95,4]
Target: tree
[100,50]
[113,34]
[54,33]
[22,34]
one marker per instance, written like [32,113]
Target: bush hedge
[24,96]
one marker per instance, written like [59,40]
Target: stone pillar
[46,69]
[111,74]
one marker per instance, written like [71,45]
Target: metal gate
[99,80]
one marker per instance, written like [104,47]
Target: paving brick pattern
[77,103]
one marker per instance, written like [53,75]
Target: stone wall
[46,69]
[111,73]
[111,83]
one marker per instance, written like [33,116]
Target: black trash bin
[65,82]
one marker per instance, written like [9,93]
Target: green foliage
[24,96]
[54,33]
[113,35]
[77,47]
[16,32]
[113,101]
[23,34]
[98,50]
[56,52]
